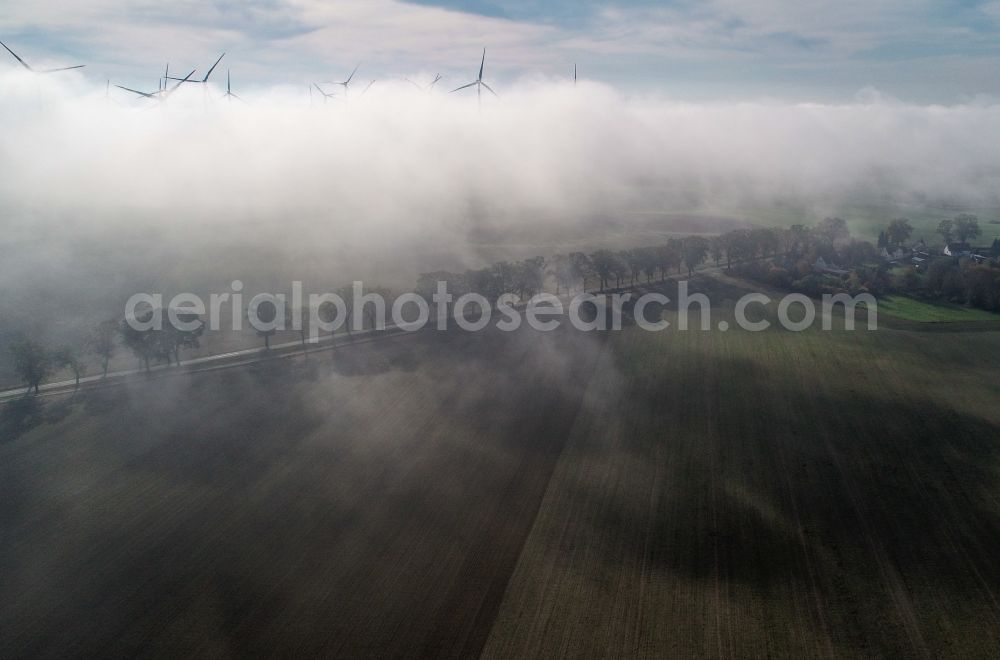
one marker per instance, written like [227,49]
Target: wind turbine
[167,92]
[28,66]
[229,90]
[326,96]
[478,84]
[426,88]
[162,94]
[203,81]
[148,95]
[347,82]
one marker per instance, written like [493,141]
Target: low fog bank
[106,195]
[399,163]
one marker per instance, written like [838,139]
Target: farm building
[957,250]
[820,266]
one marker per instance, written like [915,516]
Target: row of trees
[605,269]
[157,344]
[961,281]
[783,258]
[830,241]
[896,234]
[34,362]
[962,229]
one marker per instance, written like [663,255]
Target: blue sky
[944,51]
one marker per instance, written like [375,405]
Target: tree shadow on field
[101,401]
[272,372]
[836,491]
[61,408]
[20,416]
[374,359]
[357,363]
[719,293]
[223,426]
[26,413]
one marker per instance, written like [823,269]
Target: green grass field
[831,494]
[911,309]
[866,218]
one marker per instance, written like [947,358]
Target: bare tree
[142,343]
[648,262]
[346,294]
[529,276]
[68,358]
[716,248]
[102,343]
[173,339]
[834,229]
[966,227]
[304,315]
[581,267]
[695,249]
[560,268]
[898,232]
[666,257]
[604,263]
[267,313]
[946,228]
[32,362]
[327,313]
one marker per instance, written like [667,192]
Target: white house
[957,250]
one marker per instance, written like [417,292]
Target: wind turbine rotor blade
[229,86]
[436,79]
[205,79]
[346,82]
[482,64]
[63,68]
[490,88]
[173,89]
[17,57]
[413,83]
[135,91]
[475,82]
